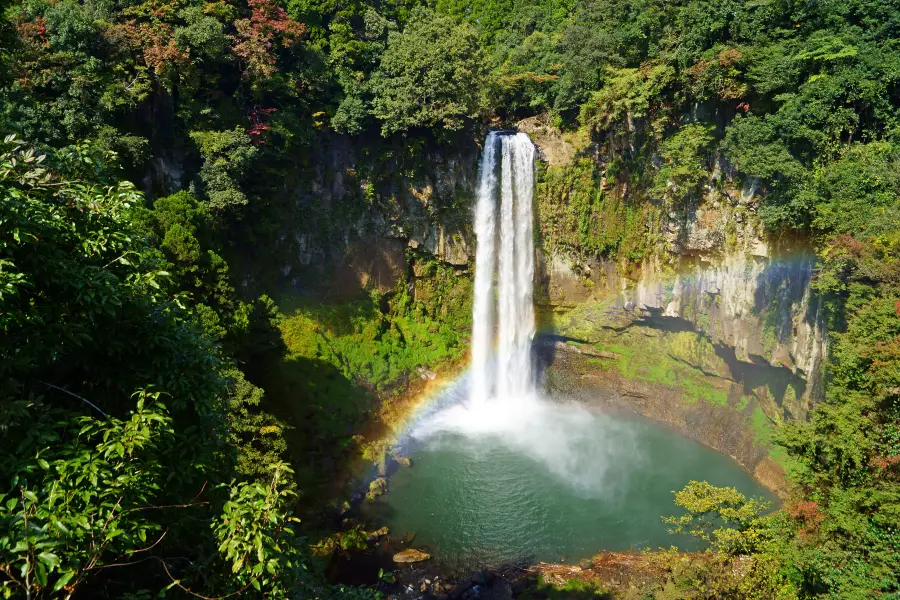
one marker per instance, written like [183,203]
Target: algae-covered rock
[411,556]
[377,488]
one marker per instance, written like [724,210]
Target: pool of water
[545,482]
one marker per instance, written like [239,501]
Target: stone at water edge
[404,461]
[378,533]
[411,556]
[377,488]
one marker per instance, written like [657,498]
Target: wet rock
[376,488]
[548,139]
[459,589]
[501,590]
[426,374]
[411,556]
[473,593]
[586,563]
[404,461]
[378,533]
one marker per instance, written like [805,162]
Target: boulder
[404,461]
[411,556]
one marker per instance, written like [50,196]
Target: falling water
[483,304]
[512,375]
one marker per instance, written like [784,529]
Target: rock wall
[714,328]
[708,264]
[354,214]
[761,307]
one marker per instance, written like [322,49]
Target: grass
[572,589]
[656,362]
[368,344]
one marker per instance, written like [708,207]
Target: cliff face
[354,214]
[428,208]
[709,267]
[702,321]
[759,306]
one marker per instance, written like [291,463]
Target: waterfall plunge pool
[534,480]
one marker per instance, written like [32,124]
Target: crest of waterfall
[506,185]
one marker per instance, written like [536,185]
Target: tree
[430,75]
[685,157]
[227,156]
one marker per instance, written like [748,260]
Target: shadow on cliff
[755,377]
[780,287]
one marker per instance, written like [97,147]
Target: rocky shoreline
[605,575]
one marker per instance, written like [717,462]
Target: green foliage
[430,75]
[734,526]
[368,345]
[685,161]
[722,517]
[580,215]
[181,244]
[628,94]
[80,495]
[257,436]
[857,193]
[114,407]
[227,157]
[255,535]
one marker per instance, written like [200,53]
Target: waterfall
[500,402]
[509,374]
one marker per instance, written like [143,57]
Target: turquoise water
[555,486]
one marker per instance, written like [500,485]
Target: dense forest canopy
[143,458]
